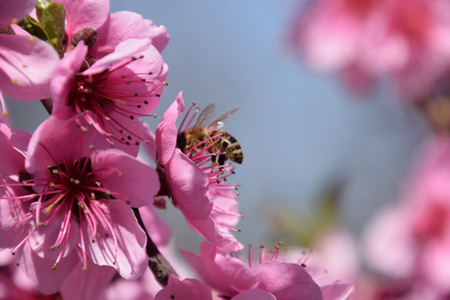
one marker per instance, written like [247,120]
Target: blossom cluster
[364,40]
[77,205]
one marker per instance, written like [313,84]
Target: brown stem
[48,104]
[157,263]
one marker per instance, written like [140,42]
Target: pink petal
[254,294]
[20,140]
[39,270]
[63,80]
[124,25]
[287,281]
[225,210]
[189,187]
[89,284]
[131,259]
[157,228]
[11,211]
[10,10]
[57,137]
[216,234]
[228,275]
[27,66]
[149,66]
[133,126]
[83,13]
[188,289]
[150,147]
[166,132]
[45,237]
[135,181]
[124,50]
[12,161]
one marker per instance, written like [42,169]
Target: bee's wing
[206,115]
[221,118]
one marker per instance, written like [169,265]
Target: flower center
[109,99]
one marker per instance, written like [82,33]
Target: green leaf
[52,16]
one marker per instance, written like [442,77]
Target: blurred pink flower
[68,208]
[411,239]
[113,92]
[195,186]
[365,39]
[262,275]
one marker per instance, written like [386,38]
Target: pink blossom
[187,289]
[66,207]
[231,276]
[411,239]
[113,92]
[365,39]
[195,186]
[333,264]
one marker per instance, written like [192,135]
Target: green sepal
[33,27]
[52,18]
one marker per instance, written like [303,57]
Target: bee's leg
[221,159]
[214,161]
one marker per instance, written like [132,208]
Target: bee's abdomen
[232,148]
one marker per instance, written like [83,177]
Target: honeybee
[220,141]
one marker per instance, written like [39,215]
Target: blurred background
[303,135]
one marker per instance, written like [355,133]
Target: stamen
[185,116]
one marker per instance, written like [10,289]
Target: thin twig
[157,263]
